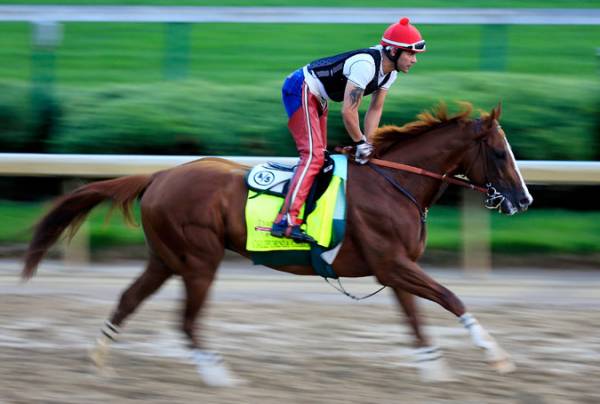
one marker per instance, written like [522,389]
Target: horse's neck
[439,151]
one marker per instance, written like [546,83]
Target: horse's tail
[70,211]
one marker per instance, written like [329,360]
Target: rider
[346,78]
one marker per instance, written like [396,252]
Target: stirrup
[298,235]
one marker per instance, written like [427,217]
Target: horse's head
[490,161]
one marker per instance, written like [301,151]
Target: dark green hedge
[16,118]
[545,117]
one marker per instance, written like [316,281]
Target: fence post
[177,50]
[494,47]
[476,251]
[47,35]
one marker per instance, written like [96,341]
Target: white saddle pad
[270,177]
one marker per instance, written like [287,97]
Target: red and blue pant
[307,122]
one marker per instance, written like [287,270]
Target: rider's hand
[363,150]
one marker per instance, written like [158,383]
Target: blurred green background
[196,89]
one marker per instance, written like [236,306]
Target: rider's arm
[373,115]
[352,99]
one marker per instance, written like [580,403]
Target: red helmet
[404,36]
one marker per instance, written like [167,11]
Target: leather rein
[420,171]
[493,198]
[426,173]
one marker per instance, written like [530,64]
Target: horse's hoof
[500,361]
[99,353]
[213,371]
[218,376]
[106,372]
[504,366]
[97,358]
[436,372]
[432,365]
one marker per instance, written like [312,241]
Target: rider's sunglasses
[416,46]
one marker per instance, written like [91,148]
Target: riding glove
[363,150]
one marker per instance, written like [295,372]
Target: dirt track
[296,340]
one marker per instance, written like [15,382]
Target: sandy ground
[296,340]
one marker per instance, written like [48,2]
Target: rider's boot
[298,235]
[281,228]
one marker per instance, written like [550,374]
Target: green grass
[96,54]
[537,231]
[331,3]
[19,218]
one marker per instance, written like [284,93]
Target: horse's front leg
[432,365]
[407,276]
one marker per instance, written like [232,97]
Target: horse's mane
[388,135]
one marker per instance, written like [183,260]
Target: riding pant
[307,114]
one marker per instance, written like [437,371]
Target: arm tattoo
[356,95]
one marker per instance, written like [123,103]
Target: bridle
[493,198]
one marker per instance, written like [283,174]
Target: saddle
[274,179]
[324,213]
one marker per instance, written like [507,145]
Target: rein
[426,173]
[492,201]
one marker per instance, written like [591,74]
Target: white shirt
[359,69]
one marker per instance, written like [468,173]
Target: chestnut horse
[193,212]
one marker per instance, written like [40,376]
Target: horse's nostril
[524,202]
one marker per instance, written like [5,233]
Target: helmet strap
[388,53]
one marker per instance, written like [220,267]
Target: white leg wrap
[110,330]
[100,351]
[479,335]
[212,369]
[497,357]
[432,365]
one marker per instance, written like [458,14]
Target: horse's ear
[494,116]
[496,112]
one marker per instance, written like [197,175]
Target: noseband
[493,198]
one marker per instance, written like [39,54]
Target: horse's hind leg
[148,282]
[407,276]
[197,281]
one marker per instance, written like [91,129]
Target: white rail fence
[475,219]
[103,166]
[335,15]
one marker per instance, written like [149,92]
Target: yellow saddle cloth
[261,210]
